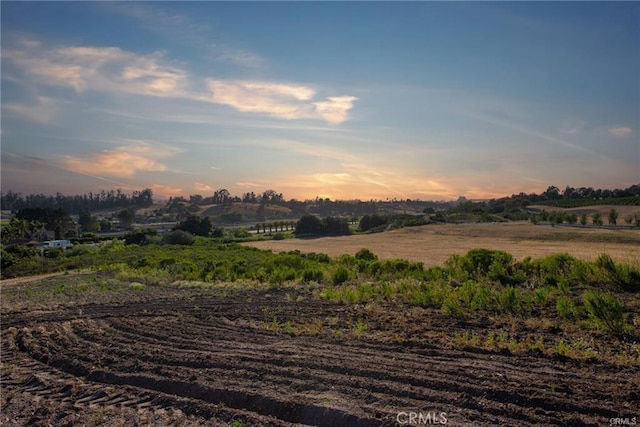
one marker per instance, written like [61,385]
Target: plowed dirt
[169,356]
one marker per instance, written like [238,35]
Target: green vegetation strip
[600,297]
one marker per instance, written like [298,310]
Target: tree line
[75,204]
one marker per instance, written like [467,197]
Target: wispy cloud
[116,71]
[281,100]
[165,190]
[108,69]
[182,29]
[572,126]
[113,163]
[508,124]
[30,163]
[43,112]
[249,184]
[124,161]
[620,131]
[202,187]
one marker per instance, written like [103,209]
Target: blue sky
[341,100]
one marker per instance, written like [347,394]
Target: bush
[241,233]
[312,275]
[606,310]
[366,255]
[565,308]
[139,237]
[508,300]
[625,276]
[340,276]
[178,237]
[477,263]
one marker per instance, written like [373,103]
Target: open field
[88,350]
[433,244]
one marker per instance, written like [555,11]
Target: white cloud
[334,109]
[116,71]
[621,131]
[277,100]
[284,101]
[109,69]
[147,76]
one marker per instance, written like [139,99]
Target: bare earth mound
[433,244]
[215,356]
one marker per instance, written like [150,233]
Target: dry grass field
[433,244]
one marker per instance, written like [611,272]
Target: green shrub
[312,275]
[606,310]
[366,255]
[322,258]
[477,263]
[347,260]
[282,274]
[508,300]
[137,286]
[624,276]
[566,308]
[451,306]
[340,276]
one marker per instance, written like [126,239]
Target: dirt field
[230,356]
[433,244]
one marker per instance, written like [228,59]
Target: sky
[348,100]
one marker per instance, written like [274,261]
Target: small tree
[613,217]
[126,218]
[544,216]
[583,219]
[596,219]
[87,222]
